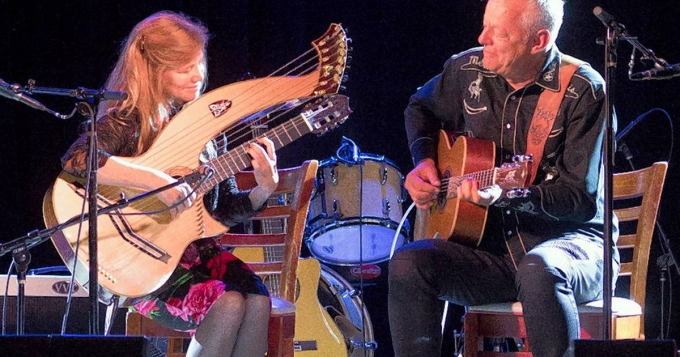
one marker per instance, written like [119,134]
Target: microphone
[669,71]
[607,19]
[7,92]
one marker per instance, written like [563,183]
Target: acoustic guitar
[459,158]
[316,334]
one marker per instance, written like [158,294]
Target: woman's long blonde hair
[163,41]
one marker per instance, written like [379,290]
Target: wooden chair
[295,186]
[506,320]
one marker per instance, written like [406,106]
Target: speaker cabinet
[625,348]
[76,346]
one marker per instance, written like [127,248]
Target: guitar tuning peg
[343,88]
[349,39]
[345,78]
[349,59]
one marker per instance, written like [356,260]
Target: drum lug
[383,181]
[354,293]
[368,345]
[334,177]
[404,193]
[386,208]
[335,206]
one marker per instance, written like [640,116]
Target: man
[544,246]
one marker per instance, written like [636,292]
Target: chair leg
[470,334]
[280,339]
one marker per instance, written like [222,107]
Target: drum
[344,305]
[356,209]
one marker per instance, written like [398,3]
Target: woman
[162,67]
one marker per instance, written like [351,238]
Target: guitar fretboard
[237,159]
[485,179]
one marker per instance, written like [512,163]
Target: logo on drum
[366,271]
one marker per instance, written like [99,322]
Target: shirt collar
[549,77]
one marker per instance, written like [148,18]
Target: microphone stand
[608,162]
[615,31]
[92,98]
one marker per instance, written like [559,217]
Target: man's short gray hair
[548,16]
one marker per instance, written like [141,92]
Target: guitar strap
[541,124]
[546,111]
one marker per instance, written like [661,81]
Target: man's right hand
[423,184]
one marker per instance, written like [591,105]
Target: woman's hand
[169,197]
[265,171]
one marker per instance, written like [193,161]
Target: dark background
[398,46]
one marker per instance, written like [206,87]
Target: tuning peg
[349,59]
[345,78]
[343,88]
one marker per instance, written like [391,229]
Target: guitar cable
[4,298]
[90,158]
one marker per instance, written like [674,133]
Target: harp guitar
[138,253]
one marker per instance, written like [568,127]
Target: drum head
[353,243]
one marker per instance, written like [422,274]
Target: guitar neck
[485,178]
[237,159]
[507,176]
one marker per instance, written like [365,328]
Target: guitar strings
[163,160]
[124,259]
[485,178]
[174,158]
[311,68]
[248,102]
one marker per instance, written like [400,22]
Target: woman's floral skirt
[205,273]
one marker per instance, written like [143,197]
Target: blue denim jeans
[550,281]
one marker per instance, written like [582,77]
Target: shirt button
[507,212]
[513,97]
[509,233]
[508,125]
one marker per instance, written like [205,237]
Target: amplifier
[43,285]
[77,346]
[625,348]
[45,305]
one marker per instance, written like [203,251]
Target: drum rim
[357,221]
[372,221]
[334,161]
[356,300]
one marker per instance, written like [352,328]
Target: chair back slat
[266,268]
[626,241]
[252,240]
[275,212]
[628,214]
